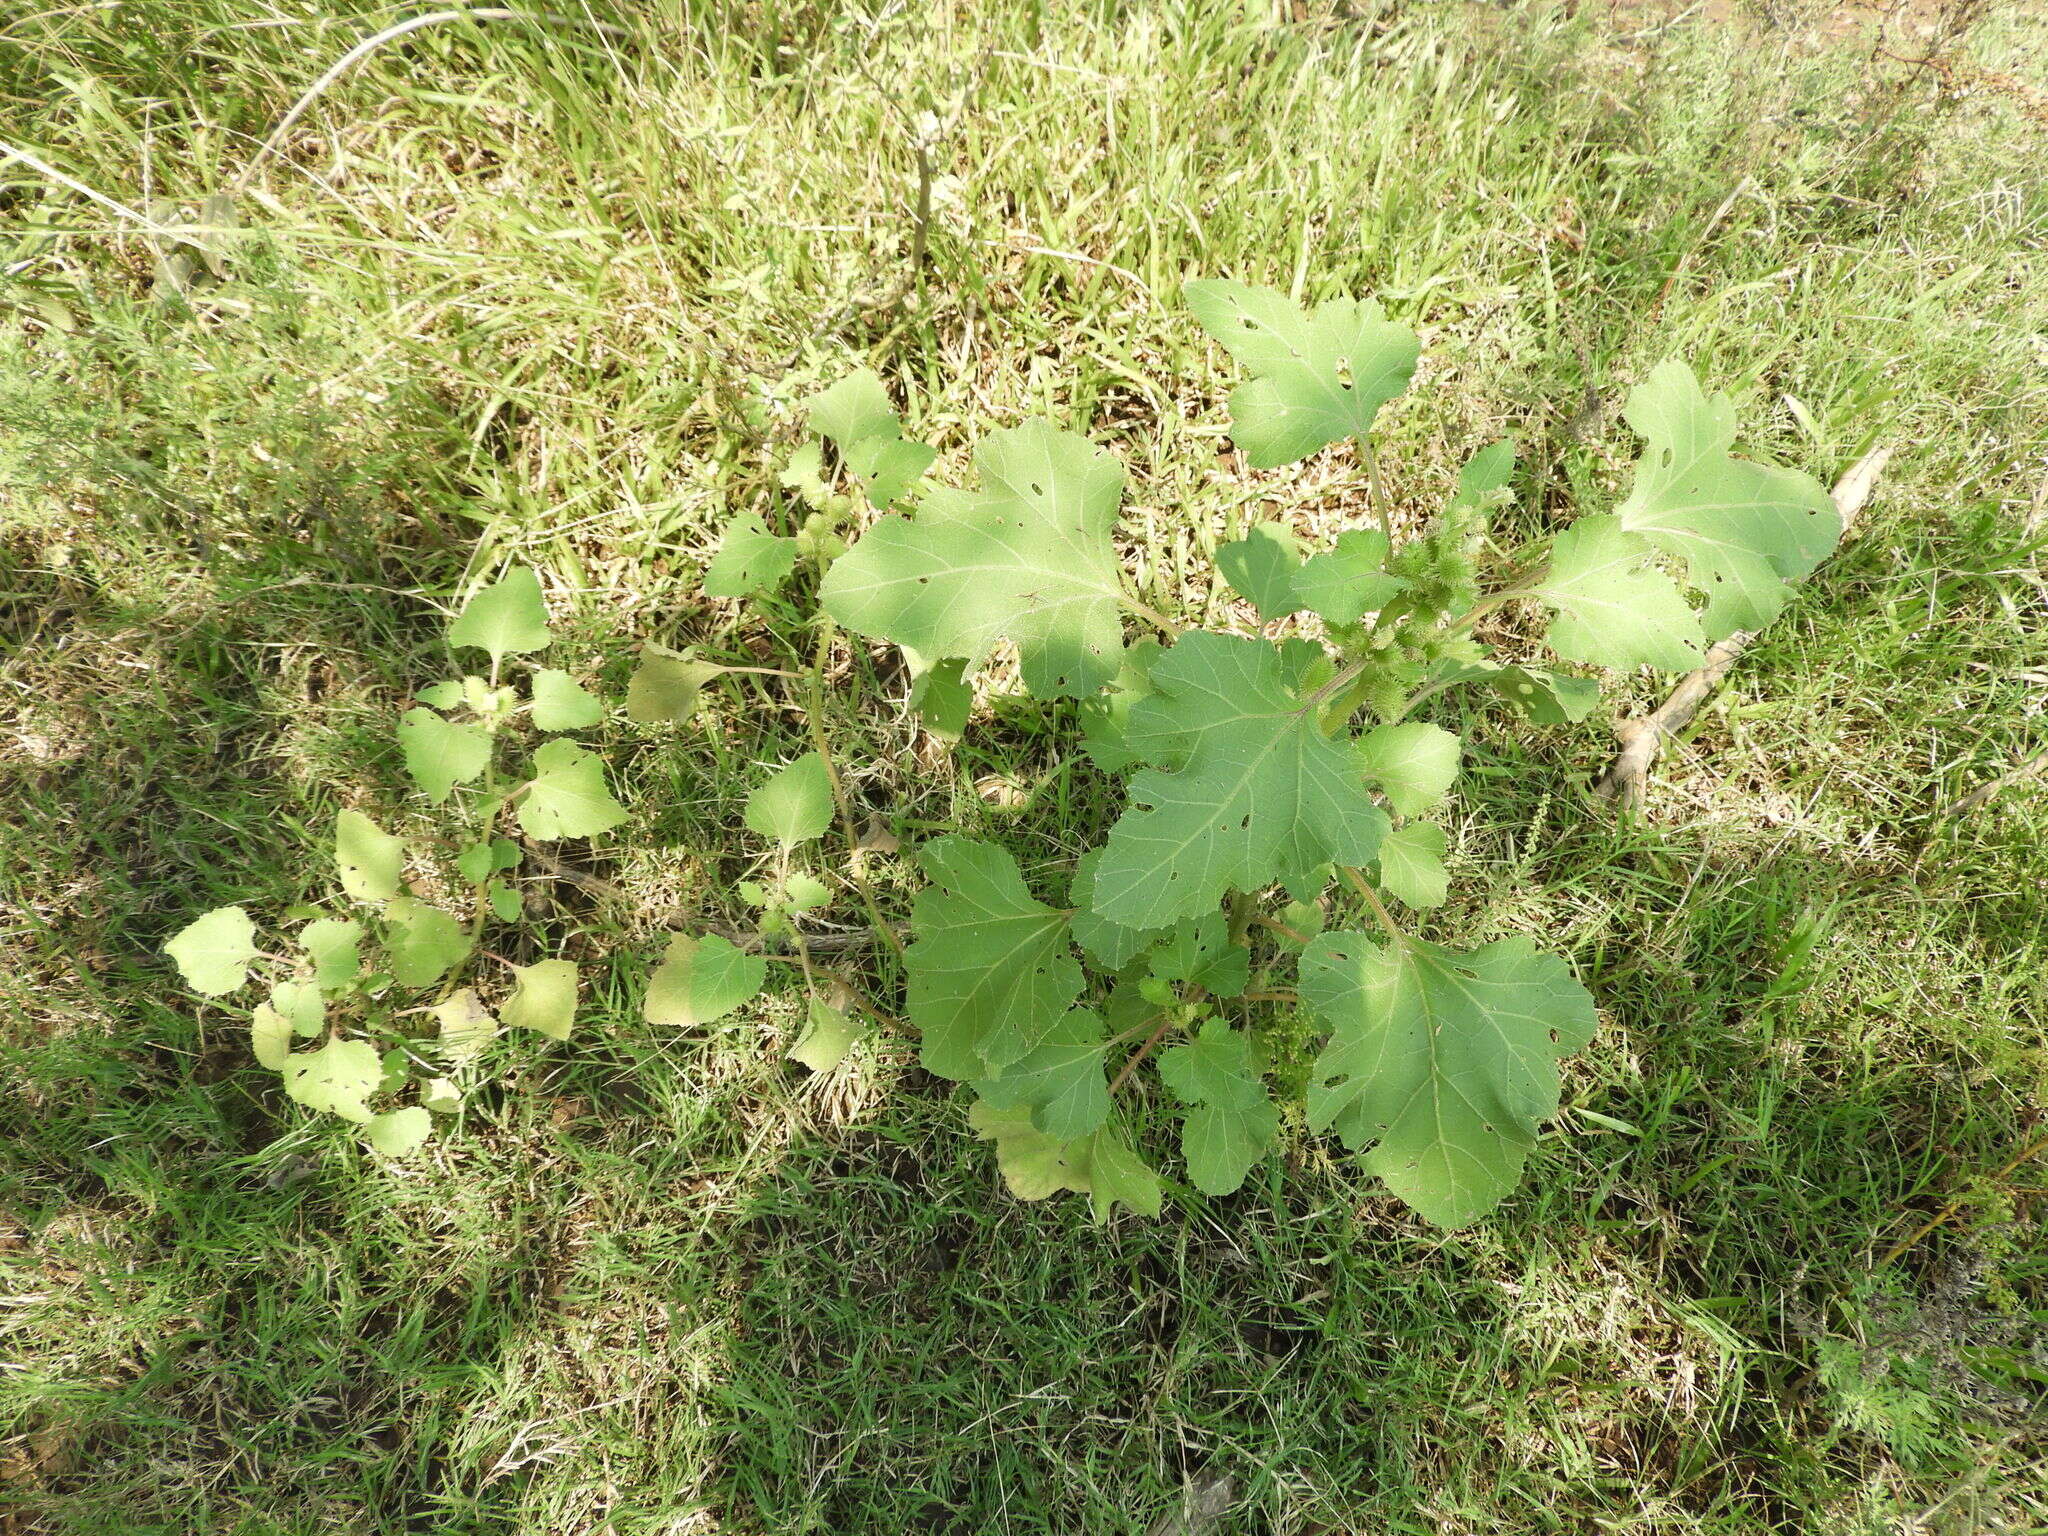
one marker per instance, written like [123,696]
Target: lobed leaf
[440,754]
[1348,581]
[1060,1080]
[1262,566]
[1198,953]
[560,703]
[991,973]
[509,617]
[399,1132]
[1315,378]
[1248,789]
[1414,764]
[1443,1063]
[567,796]
[1412,864]
[421,942]
[1231,1119]
[795,805]
[1613,609]
[750,559]
[1029,561]
[338,1078]
[334,945]
[213,951]
[828,1035]
[666,686]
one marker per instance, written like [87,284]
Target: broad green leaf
[1443,1063]
[795,805]
[421,942]
[1248,790]
[853,410]
[337,1078]
[1106,719]
[440,1096]
[507,618]
[506,902]
[334,945]
[941,694]
[1115,1174]
[213,951]
[1033,1164]
[1548,698]
[1029,560]
[399,1132]
[1262,566]
[466,1026]
[888,466]
[666,686]
[475,863]
[1315,378]
[1414,764]
[1060,1080]
[270,1037]
[440,754]
[1613,609]
[1110,945]
[700,980]
[991,975]
[1743,530]
[1412,864]
[1231,1119]
[560,703]
[804,473]
[804,893]
[368,859]
[828,1035]
[543,998]
[1348,581]
[750,559]
[397,1070]
[1198,953]
[442,695]
[567,796]
[299,1004]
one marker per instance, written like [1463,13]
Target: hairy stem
[1372,899]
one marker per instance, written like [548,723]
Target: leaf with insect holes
[543,998]
[1412,864]
[1262,566]
[567,796]
[1230,1119]
[1033,1164]
[1246,789]
[213,951]
[1743,530]
[399,1132]
[1060,1080]
[1613,608]
[1413,764]
[368,859]
[560,703]
[991,974]
[1029,560]
[700,980]
[338,1078]
[855,413]
[1348,580]
[1444,1064]
[1547,698]
[1315,378]
[1110,945]
[750,559]
[666,687]
[828,1035]
[334,945]
[466,1026]
[1198,953]
[795,805]
[422,943]
[440,754]
[507,618]
[506,902]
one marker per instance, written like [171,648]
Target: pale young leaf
[1033,1164]
[543,998]
[338,1078]
[334,945]
[1613,608]
[567,796]
[509,617]
[368,859]
[1412,864]
[700,980]
[1315,378]
[795,805]
[213,951]
[399,1132]
[828,1035]
[1231,1119]
[299,1004]
[440,754]
[270,1037]
[1115,1174]
[750,559]
[466,1026]
[560,703]
[421,942]
[1414,764]
[666,687]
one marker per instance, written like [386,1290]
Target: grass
[556,290]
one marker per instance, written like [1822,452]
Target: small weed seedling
[1261,771]
[400,1023]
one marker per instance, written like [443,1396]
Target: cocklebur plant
[1273,771]
[398,1023]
